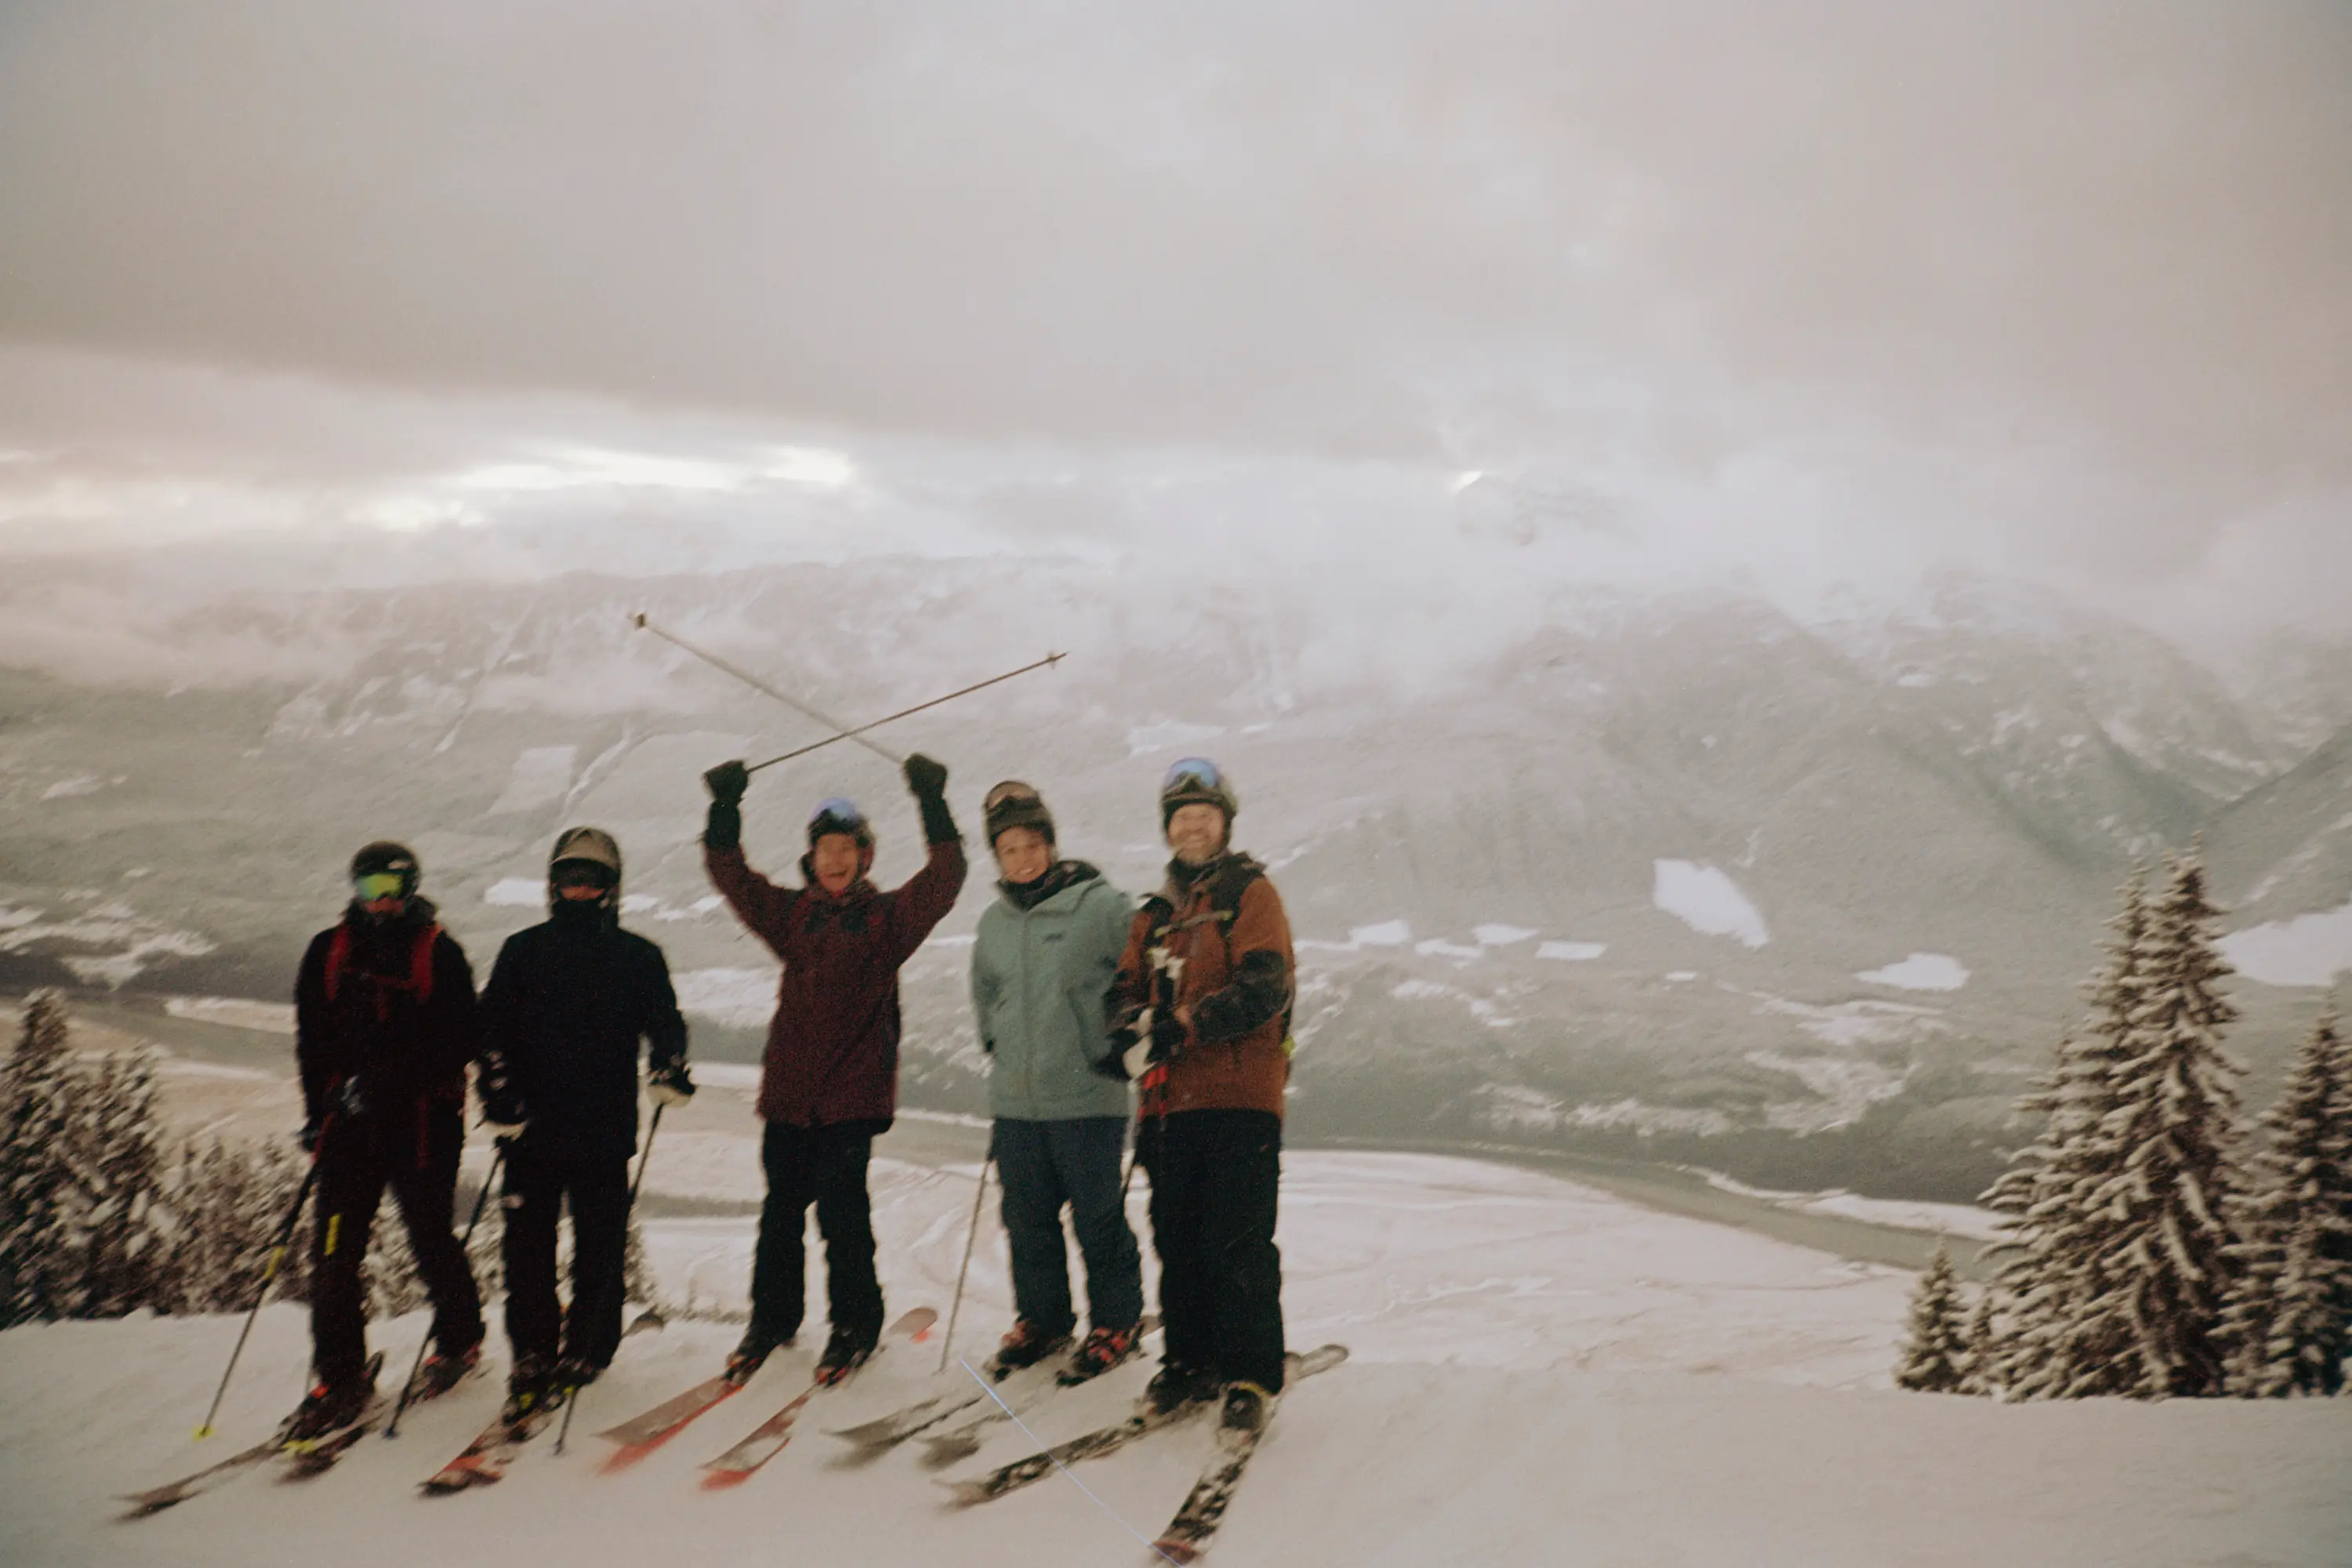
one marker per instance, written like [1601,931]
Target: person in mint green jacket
[1046,954]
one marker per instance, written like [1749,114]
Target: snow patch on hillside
[1571,952]
[236,1012]
[2309,950]
[515,892]
[1920,972]
[1387,933]
[1501,936]
[1704,898]
[1949,1219]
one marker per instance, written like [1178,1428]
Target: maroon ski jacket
[833,1046]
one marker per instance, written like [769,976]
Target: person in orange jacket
[1201,1013]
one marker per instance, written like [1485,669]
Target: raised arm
[931,892]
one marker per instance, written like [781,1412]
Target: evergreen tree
[2163,1264]
[1935,1359]
[119,1245]
[2054,1339]
[228,1202]
[1980,1341]
[2290,1324]
[35,1172]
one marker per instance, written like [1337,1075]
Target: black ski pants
[417,1159]
[1046,1167]
[824,1166]
[538,1184]
[1215,1180]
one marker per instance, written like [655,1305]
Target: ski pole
[756,684]
[481,1201]
[1050,658]
[268,1276]
[620,1273]
[947,1341]
[844,732]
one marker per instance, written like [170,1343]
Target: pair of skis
[304,1458]
[1015,1392]
[1196,1520]
[483,1461]
[635,1438]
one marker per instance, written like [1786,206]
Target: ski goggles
[377,884]
[1192,772]
[580,874]
[1011,789]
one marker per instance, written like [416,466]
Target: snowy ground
[1543,1374]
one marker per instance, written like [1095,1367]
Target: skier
[384,1025]
[567,1003]
[1202,1013]
[829,1079]
[1047,951]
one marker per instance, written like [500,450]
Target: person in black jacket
[567,1004]
[384,1025]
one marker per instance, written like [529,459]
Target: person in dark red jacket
[829,1080]
[383,1029]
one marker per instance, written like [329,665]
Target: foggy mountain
[1676,874]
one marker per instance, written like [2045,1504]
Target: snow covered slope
[1541,1377]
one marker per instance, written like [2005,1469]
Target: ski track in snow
[1543,1373]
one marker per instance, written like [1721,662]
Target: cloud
[1811,287]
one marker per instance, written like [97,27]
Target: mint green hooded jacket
[1039,980]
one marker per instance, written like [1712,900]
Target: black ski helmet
[383,857]
[591,852]
[1015,805]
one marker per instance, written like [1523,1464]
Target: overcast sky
[1806,289]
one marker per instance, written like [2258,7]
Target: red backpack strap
[339,954]
[420,978]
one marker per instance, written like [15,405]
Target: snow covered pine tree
[2045,1340]
[2165,1260]
[1934,1360]
[35,1178]
[2289,1324]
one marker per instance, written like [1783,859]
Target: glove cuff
[939,825]
[724,830]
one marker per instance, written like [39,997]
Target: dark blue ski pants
[1047,1166]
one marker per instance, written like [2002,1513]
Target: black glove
[728,782]
[925,778]
[929,780]
[669,1085]
[1113,1064]
[1167,1034]
[309,1136]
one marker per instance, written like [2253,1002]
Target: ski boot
[531,1388]
[440,1374]
[1025,1344]
[329,1407]
[751,1352]
[1174,1385]
[1247,1409]
[847,1350]
[1100,1351]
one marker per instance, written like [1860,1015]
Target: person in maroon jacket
[829,1080]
